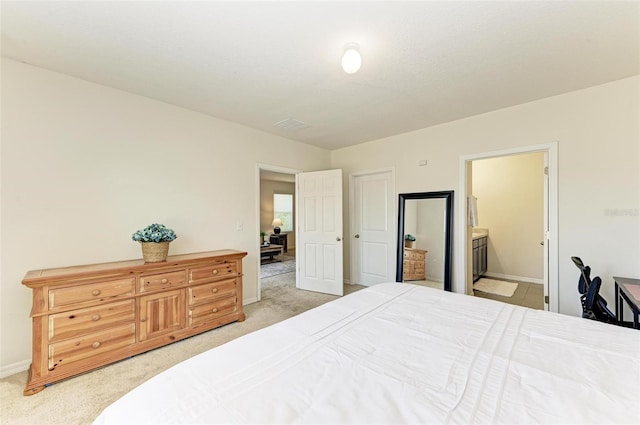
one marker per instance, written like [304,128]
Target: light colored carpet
[80,399]
[278,268]
[496,287]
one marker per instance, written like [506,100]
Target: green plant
[263,234]
[154,233]
[409,237]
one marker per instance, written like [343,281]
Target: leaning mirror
[425,227]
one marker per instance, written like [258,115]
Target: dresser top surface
[415,250]
[38,277]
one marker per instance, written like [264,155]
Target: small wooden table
[272,250]
[628,290]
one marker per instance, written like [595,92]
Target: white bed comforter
[400,353]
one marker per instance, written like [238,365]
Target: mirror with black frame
[425,235]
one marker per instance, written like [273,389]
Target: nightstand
[279,239]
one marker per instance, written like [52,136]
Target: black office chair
[585,275]
[593,305]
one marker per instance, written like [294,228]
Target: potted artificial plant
[409,240]
[155,240]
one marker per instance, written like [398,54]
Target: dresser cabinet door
[161,313]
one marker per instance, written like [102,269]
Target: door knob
[338,239]
[357,236]
[542,243]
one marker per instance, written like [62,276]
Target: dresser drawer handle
[95,317]
[214,290]
[96,292]
[215,310]
[215,271]
[96,344]
[165,280]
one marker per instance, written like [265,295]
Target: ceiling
[258,63]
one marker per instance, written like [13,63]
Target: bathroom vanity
[479,240]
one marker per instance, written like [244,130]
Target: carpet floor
[278,268]
[80,400]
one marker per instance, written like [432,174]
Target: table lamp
[276,225]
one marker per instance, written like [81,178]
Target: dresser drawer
[87,320]
[94,292]
[205,312]
[407,266]
[414,255]
[159,282]
[212,291]
[213,272]
[62,354]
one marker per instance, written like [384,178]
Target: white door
[373,234]
[319,233]
[545,236]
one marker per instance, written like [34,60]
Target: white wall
[84,166]
[510,192]
[598,135]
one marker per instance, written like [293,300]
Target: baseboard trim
[522,279]
[14,368]
[247,301]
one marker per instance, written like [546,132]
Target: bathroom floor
[527,295]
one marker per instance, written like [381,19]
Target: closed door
[319,233]
[373,228]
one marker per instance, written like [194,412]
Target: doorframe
[352,203]
[276,169]
[463,276]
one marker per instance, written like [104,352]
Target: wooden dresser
[413,266]
[88,316]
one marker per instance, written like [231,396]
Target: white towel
[472,207]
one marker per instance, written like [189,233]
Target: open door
[319,234]
[545,236]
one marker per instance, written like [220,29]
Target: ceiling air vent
[291,125]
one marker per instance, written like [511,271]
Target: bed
[401,353]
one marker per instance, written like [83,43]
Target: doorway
[547,241]
[277,258]
[507,242]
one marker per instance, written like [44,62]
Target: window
[283,209]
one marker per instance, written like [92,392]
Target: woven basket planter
[155,252]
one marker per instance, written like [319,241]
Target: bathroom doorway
[507,242]
[543,243]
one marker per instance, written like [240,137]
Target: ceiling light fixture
[351,59]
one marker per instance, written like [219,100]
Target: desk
[280,239]
[628,290]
